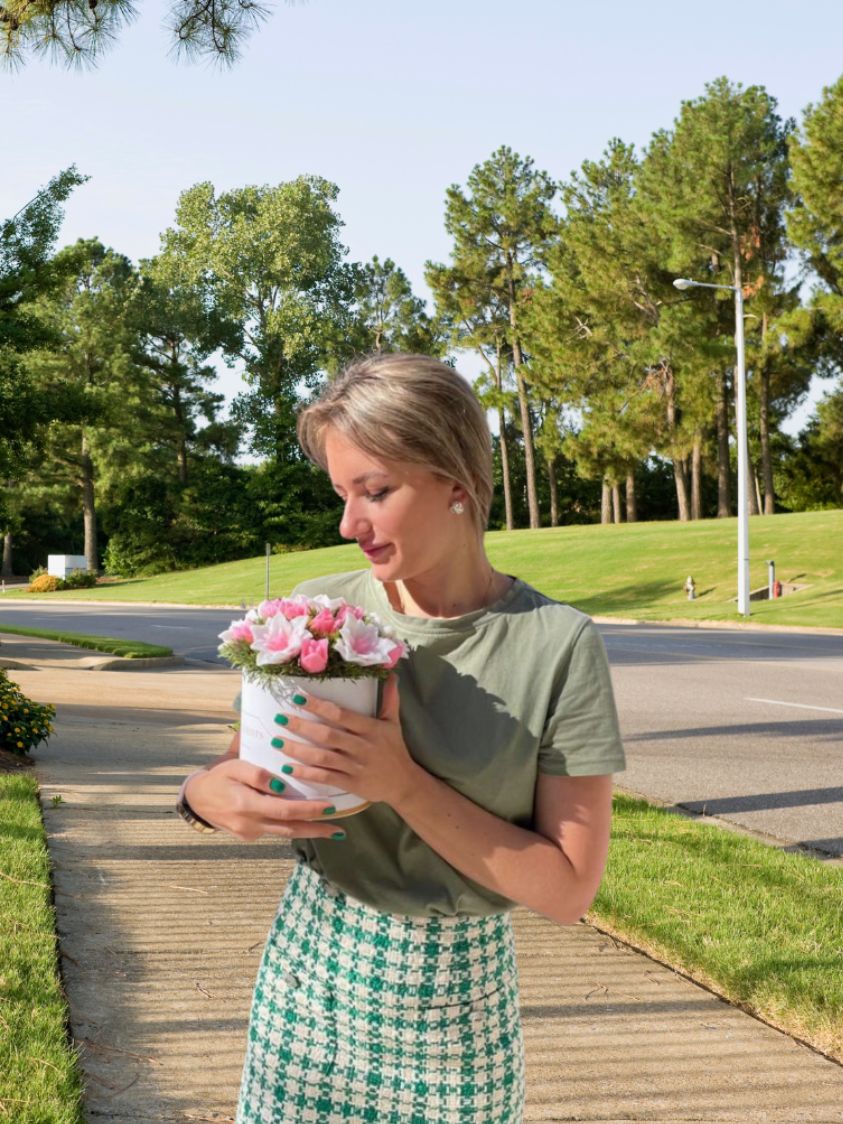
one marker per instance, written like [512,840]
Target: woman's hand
[366,756]
[236,796]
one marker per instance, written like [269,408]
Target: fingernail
[299,700]
[286,768]
[328,811]
[276,785]
[338,835]
[278,743]
[281,719]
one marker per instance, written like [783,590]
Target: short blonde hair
[407,408]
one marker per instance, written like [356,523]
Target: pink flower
[237,632]
[288,607]
[363,644]
[395,655]
[314,655]
[323,623]
[345,611]
[279,640]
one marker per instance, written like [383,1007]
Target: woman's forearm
[512,861]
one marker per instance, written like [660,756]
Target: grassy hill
[630,570]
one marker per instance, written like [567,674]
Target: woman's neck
[449,591]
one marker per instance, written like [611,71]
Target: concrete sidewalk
[161,930]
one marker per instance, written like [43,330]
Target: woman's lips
[373,553]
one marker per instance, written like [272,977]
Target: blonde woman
[388,990]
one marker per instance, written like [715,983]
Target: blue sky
[391,101]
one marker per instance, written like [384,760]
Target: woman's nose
[352,523]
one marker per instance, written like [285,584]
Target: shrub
[44,583]
[79,579]
[37,572]
[23,723]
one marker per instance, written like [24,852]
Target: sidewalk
[161,930]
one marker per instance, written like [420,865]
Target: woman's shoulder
[539,610]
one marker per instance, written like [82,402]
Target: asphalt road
[746,726]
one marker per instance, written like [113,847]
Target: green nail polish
[328,811]
[286,768]
[281,719]
[276,785]
[278,743]
[299,700]
[338,835]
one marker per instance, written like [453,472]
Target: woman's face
[398,512]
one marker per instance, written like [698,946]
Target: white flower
[279,640]
[326,602]
[362,644]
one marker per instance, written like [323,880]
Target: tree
[89,363]
[719,185]
[176,334]
[501,226]
[388,317]
[471,311]
[26,272]
[269,260]
[79,31]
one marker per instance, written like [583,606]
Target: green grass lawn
[40,1079]
[128,649]
[630,570]
[762,927]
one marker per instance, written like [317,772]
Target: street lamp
[683,283]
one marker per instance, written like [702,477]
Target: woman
[388,989]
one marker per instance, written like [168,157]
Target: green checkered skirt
[360,1016]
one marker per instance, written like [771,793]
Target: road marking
[801,706]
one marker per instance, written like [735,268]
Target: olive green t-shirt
[488,701]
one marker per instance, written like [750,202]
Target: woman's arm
[554,870]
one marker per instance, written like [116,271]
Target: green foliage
[77,32]
[269,260]
[129,649]
[23,724]
[40,1072]
[388,317]
[26,273]
[79,579]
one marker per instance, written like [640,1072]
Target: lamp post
[743,473]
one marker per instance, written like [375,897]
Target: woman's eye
[376,497]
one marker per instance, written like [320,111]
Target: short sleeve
[581,736]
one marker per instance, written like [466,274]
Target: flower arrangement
[23,723]
[311,637]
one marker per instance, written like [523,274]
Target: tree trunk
[616,502]
[89,512]
[7,570]
[554,493]
[680,476]
[755,507]
[529,457]
[605,502]
[764,432]
[631,507]
[524,404]
[696,477]
[507,481]
[680,468]
[724,504]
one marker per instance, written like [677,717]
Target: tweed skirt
[362,1016]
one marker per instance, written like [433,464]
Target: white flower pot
[260,704]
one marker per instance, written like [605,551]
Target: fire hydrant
[690,588]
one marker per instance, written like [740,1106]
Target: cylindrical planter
[260,704]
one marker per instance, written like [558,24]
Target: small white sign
[62,565]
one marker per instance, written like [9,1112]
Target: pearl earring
[457,507]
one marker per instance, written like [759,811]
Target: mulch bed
[11,763]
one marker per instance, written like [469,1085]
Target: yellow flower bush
[23,723]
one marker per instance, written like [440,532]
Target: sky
[391,101]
